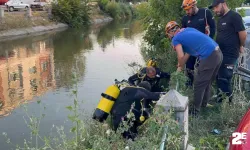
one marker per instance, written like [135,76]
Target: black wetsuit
[123,104]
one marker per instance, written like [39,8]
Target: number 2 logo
[238,137]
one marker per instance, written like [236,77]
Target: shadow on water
[41,67]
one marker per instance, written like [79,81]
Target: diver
[128,96]
[153,75]
[150,74]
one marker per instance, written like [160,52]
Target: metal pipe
[244,70]
[242,74]
[164,137]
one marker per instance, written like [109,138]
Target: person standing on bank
[189,41]
[200,19]
[231,37]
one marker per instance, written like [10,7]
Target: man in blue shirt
[191,42]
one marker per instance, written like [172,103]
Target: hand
[241,50]
[179,69]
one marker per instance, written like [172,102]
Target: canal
[37,71]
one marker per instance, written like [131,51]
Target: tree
[155,15]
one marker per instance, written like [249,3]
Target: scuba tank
[107,101]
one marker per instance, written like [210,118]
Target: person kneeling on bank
[129,96]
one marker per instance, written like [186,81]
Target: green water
[41,67]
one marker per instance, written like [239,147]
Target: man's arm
[211,23]
[132,79]
[164,75]
[182,58]
[239,27]
[145,94]
[243,37]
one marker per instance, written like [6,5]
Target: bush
[72,12]
[155,14]
[102,4]
[113,9]
[116,10]
[141,10]
[125,10]
[100,136]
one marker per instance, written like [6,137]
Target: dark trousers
[190,69]
[224,77]
[132,132]
[206,73]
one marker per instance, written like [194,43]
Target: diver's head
[151,72]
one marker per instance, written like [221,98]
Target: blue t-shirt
[194,42]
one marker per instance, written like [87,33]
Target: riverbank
[17,24]
[37,30]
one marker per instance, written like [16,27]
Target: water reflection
[117,29]
[68,47]
[41,68]
[26,70]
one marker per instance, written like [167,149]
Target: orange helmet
[170,25]
[187,4]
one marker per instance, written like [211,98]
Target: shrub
[102,4]
[72,12]
[113,9]
[242,12]
[125,10]
[141,10]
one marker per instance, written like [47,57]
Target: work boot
[194,113]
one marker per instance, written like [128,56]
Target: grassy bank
[75,13]
[117,10]
[19,20]
[223,117]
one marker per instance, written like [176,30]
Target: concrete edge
[38,30]
[103,20]
[17,33]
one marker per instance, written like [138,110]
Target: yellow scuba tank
[106,103]
[152,62]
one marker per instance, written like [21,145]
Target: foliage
[99,136]
[242,12]
[90,134]
[155,15]
[119,10]
[113,9]
[102,4]
[223,117]
[72,12]
[19,21]
[141,10]
[125,10]
[116,9]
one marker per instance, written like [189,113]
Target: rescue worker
[190,41]
[122,106]
[150,74]
[231,37]
[200,19]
